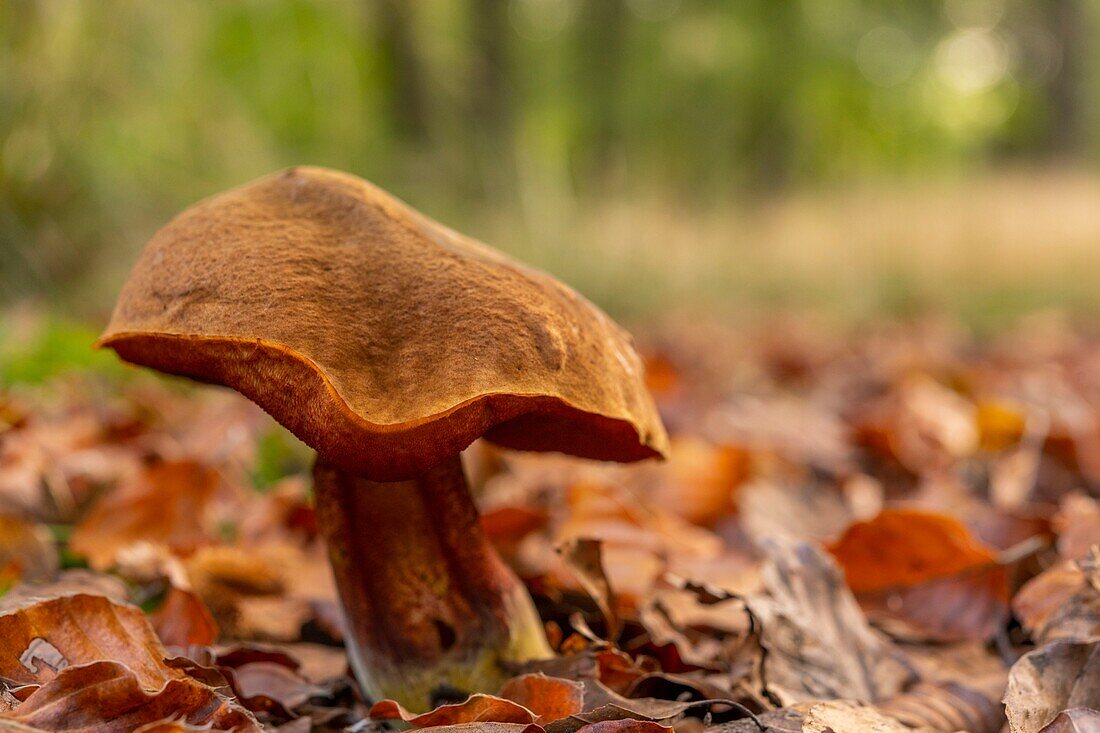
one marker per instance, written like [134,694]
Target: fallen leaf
[947,707]
[626,725]
[818,643]
[482,727]
[1057,677]
[166,503]
[583,556]
[39,638]
[1063,602]
[27,551]
[475,709]
[905,547]
[108,697]
[926,573]
[1078,525]
[1076,720]
[801,512]
[843,716]
[182,619]
[549,698]
[274,681]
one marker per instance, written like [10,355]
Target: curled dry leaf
[265,591]
[583,556]
[803,512]
[485,728]
[905,547]
[1057,677]
[1078,525]
[699,480]
[549,698]
[818,644]
[946,706]
[975,665]
[1063,602]
[926,573]
[39,638]
[274,681]
[27,552]
[109,697]
[475,709]
[844,716]
[182,619]
[166,503]
[626,725]
[1077,720]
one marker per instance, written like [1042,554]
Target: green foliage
[33,353]
[278,455]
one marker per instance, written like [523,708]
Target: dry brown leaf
[1077,720]
[107,697]
[549,698]
[182,619]
[843,716]
[699,479]
[584,557]
[924,575]
[166,503]
[475,709]
[1063,602]
[1078,525]
[945,706]
[626,725]
[973,664]
[818,643]
[39,638]
[263,592]
[485,728]
[905,547]
[803,512]
[275,681]
[27,551]
[1057,677]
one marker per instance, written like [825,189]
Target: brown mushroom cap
[381,338]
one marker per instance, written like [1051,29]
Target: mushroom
[388,343]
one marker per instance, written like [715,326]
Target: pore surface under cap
[381,338]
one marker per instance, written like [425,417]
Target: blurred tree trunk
[490,93]
[767,110]
[1065,133]
[602,37]
[403,71]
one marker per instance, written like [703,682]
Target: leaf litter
[891,529]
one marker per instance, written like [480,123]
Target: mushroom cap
[381,338]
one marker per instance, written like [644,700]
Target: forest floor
[889,528]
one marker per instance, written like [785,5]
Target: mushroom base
[432,610]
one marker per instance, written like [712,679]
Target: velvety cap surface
[379,337]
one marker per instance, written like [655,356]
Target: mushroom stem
[431,608]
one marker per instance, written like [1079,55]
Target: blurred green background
[853,156]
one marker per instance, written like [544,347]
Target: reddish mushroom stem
[430,605]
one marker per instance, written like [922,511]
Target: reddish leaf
[107,697]
[164,504]
[924,576]
[549,698]
[183,619]
[39,639]
[475,709]
[904,547]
